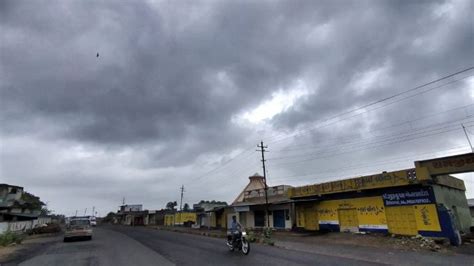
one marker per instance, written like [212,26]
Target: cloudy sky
[183,91]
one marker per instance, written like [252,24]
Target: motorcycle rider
[235,229]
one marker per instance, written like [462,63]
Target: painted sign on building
[448,165]
[408,197]
[391,179]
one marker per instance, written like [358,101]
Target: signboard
[449,165]
[241,208]
[408,197]
[391,179]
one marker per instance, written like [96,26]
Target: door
[279,219]
[311,218]
[348,220]
[401,220]
[243,219]
[259,217]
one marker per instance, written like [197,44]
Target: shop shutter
[348,220]
[401,220]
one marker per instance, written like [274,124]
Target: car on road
[78,228]
[93,221]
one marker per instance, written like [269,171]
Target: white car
[93,221]
[78,227]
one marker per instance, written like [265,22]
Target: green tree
[31,201]
[109,217]
[186,207]
[171,205]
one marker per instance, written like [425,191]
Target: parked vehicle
[78,227]
[240,242]
[93,221]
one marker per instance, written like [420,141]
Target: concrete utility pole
[467,136]
[262,149]
[76,213]
[85,212]
[181,202]
[93,210]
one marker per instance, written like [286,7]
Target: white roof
[470,202]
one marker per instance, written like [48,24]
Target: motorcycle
[240,242]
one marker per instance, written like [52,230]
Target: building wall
[370,213]
[375,213]
[169,220]
[455,200]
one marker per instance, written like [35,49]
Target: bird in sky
[97,54]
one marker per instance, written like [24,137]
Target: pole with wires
[467,136]
[262,150]
[181,202]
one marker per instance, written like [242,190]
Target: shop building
[424,200]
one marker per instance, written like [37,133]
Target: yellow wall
[307,216]
[370,214]
[213,221]
[169,220]
[391,179]
[427,217]
[182,217]
[300,221]
[370,211]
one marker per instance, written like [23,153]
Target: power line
[355,110]
[305,146]
[374,163]
[383,100]
[383,138]
[366,148]
[467,136]
[220,167]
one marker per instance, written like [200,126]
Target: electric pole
[93,210]
[262,150]
[467,136]
[85,211]
[181,202]
[76,213]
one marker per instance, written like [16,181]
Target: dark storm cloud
[160,99]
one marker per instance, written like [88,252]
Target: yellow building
[180,218]
[424,200]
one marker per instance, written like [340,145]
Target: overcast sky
[183,91]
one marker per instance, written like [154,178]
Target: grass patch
[9,238]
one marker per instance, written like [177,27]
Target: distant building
[132,214]
[131,208]
[204,212]
[13,207]
[250,205]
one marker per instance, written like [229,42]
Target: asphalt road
[106,248]
[185,249]
[118,245]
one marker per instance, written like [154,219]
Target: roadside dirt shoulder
[12,254]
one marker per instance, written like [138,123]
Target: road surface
[125,245]
[118,245]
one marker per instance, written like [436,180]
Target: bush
[10,237]
[50,228]
[267,236]
[251,236]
